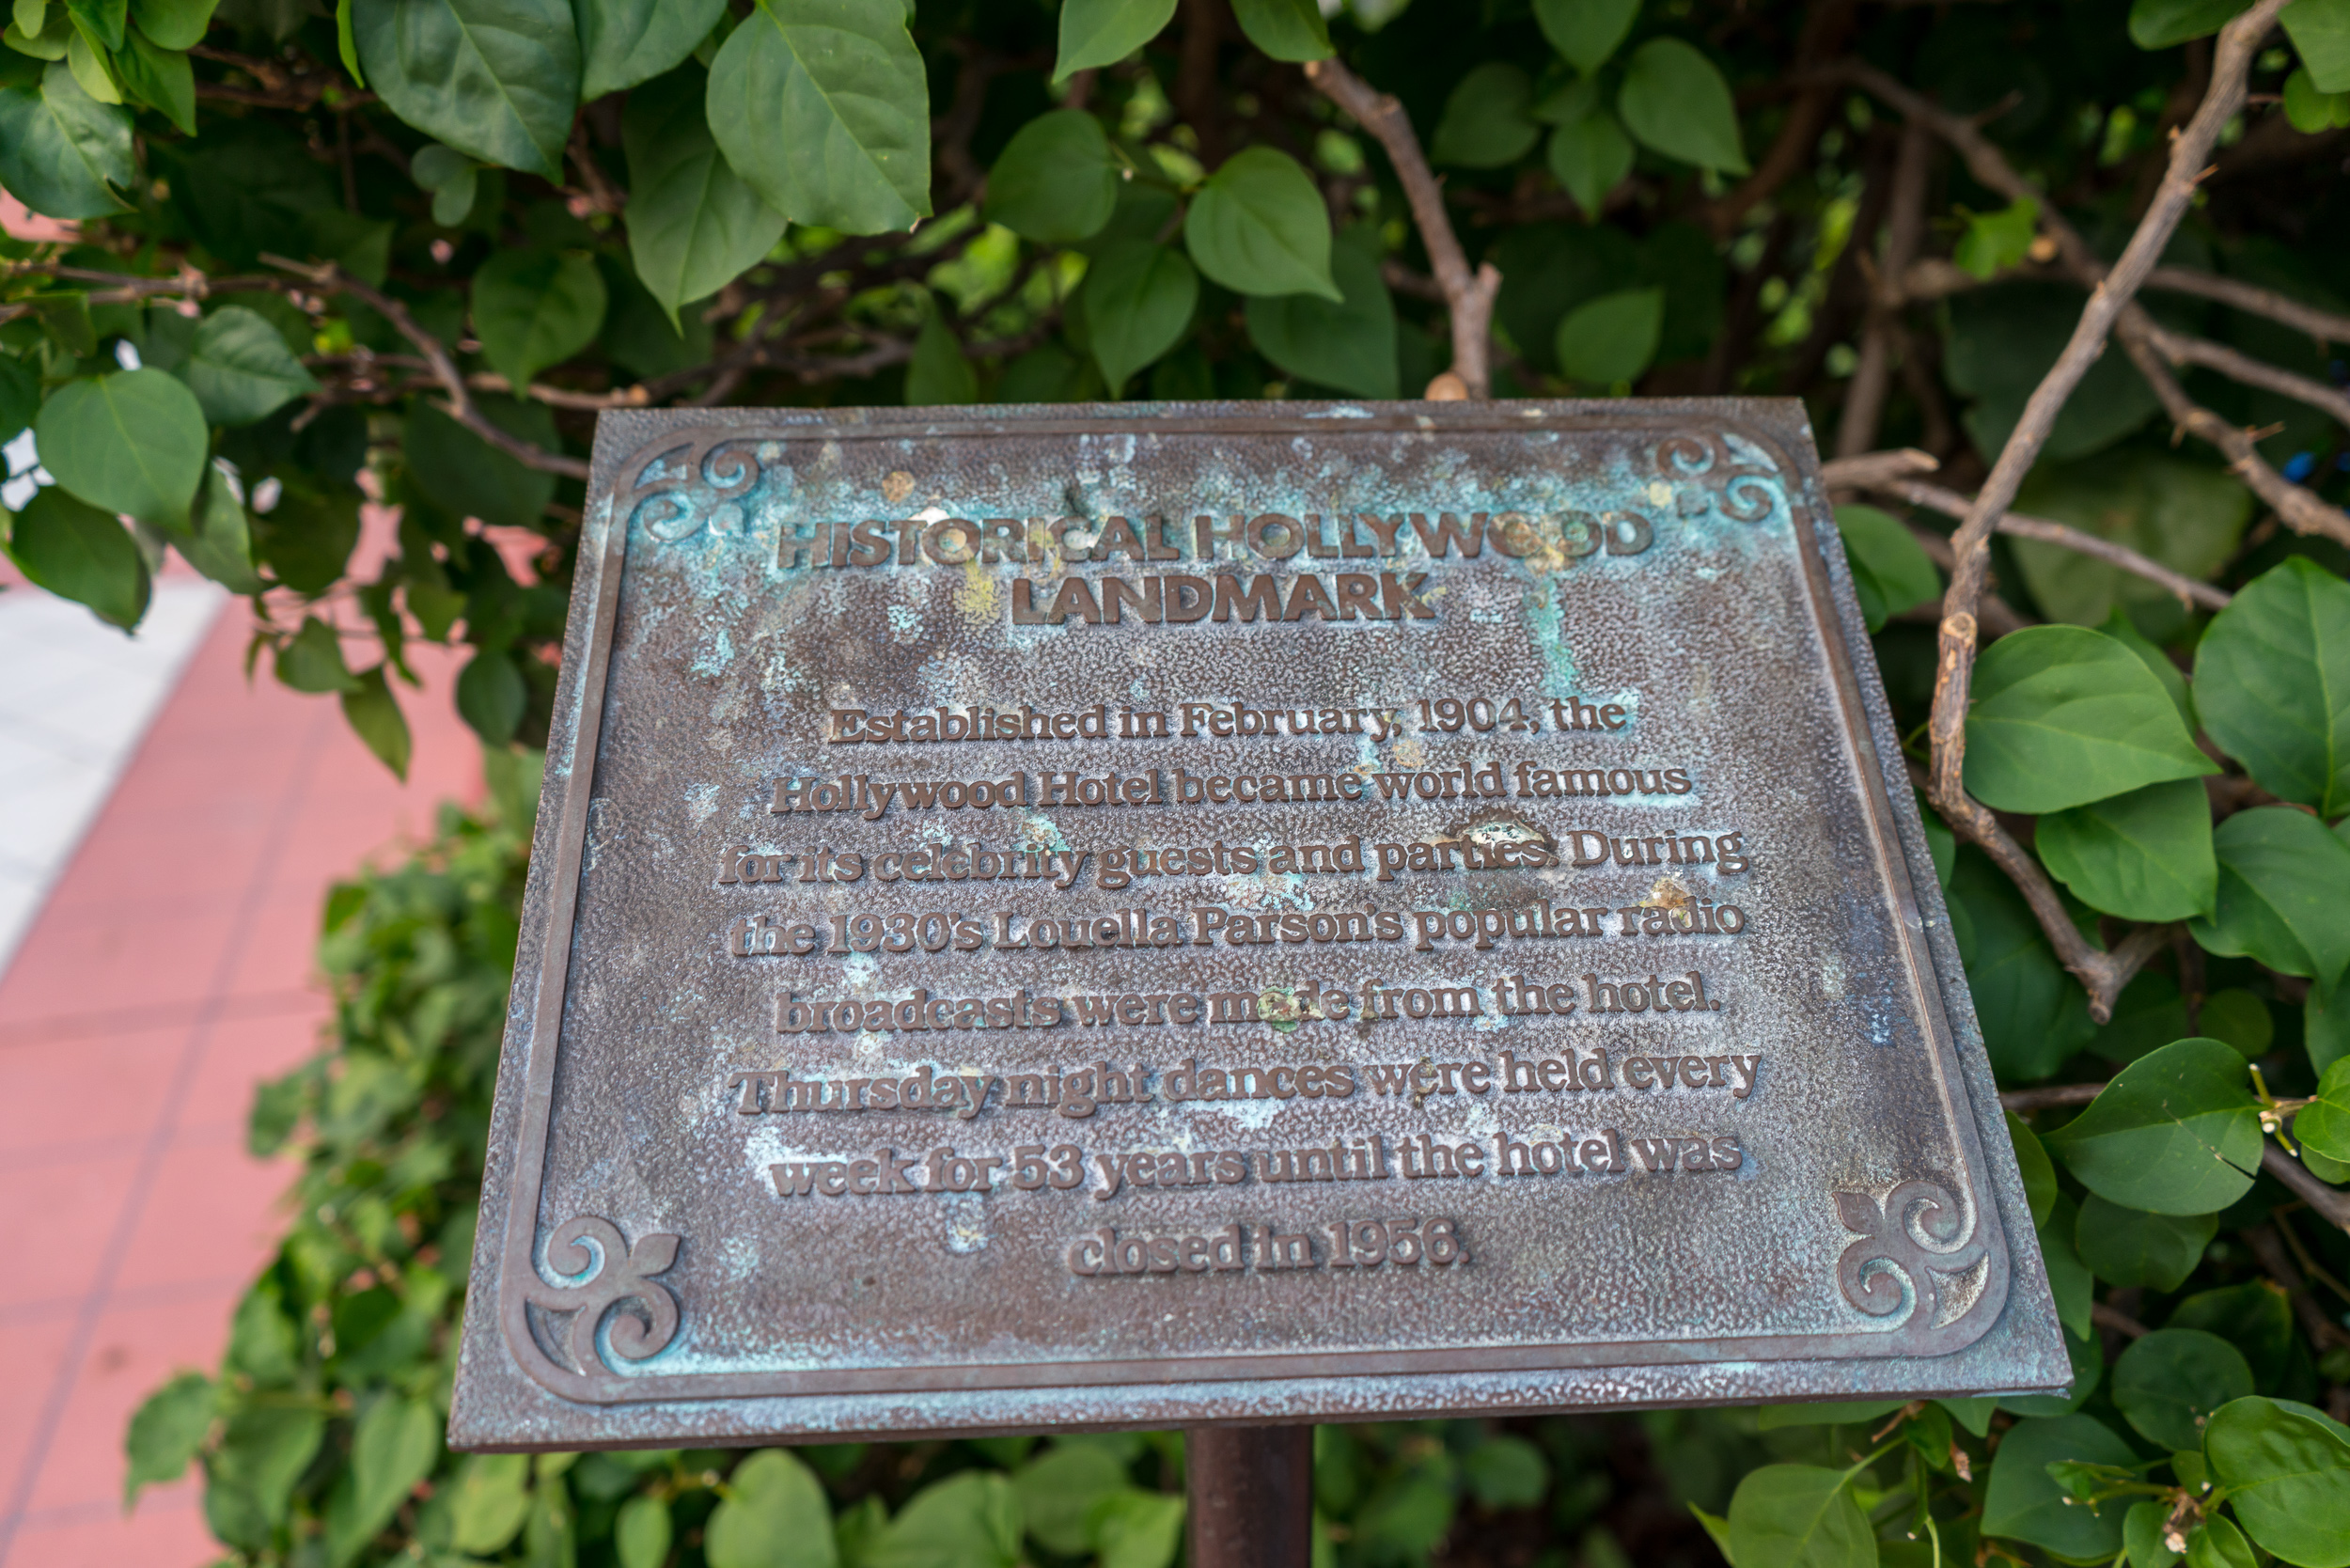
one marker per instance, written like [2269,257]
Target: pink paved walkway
[169,973]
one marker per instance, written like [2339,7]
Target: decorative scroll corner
[605,1277]
[689,479]
[1705,472]
[1918,1233]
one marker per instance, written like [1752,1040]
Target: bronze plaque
[1062,916]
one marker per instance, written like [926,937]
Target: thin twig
[2052,1094]
[2329,1203]
[2105,1316]
[2020,526]
[1867,470]
[2324,1332]
[1468,297]
[2179,349]
[2323,325]
[1904,225]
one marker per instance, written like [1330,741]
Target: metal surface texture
[1193,914]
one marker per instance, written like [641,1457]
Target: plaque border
[577,736]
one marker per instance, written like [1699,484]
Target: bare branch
[1867,470]
[2052,1094]
[2019,525]
[2179,349]
[1468,297]
[2330,1203]
[1864,398]
[1999,616]
[2323,325]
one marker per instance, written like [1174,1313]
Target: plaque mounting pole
[1252,1496]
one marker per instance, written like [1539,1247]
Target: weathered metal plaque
[1139,915]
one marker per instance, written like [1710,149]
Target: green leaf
[1057,1490]
[2309,110]
[63,152]
[2145,855]
[2280,881]
[492,698]
[79,552]
[2148,1014]
[1586,31]
[1995,241]
[489,1502]
[2069,1279]
[2033,1014]
[641,1534]
[1590,156]
[174,23]
[1488,120]
[533,308]
[2320,31]
[19,397]
[1104,32]
[2287,1469]
[308,538]
[938,373]
[622,43]
[221,542]
[1349,346]
[2254,1317]
[1612,339]
[692,225]
[166,1432]
[247,187]
[2033,1165]
[822,106]
[1890,570]
[240,367]
[495,79]
[373,714]
[1134,1528]
[1055,182]
[2142,1530]
[1799,1516]
[2003,342]
[2130,1246]
[2272,678]
[160,78]
[133,442]
[1505,1473]
[774,1516]
[392,1449]
[2175,1132]
[262,1342]
[469,478]
[313,660]
[2168,1384]
[1868,1412]
[91,66]
[1258,226]
[103,19]
[2216,1543]
[971,1520]
[347,45]
[2122,629]
[2025,1503]
[1285,29]
[250,1476]
[2064,715]
[1675,101]
[1137,302]
[2323,1123]
[2189,516]
[2160,23]
[2240,1018]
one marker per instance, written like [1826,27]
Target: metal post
[1252,1496]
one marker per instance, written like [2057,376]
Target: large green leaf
[692,225]
[392,1449]
[2272,674]
[774,1516]
[79,552]
[174,23]
[2003,342]
[1591,155]
[2033,1014]
[2160,23]
[307,537]
[2187,515]
[1799,1516]
[133,442]
[823,108]
[19,397]
[491,696]
[2168,1384]
[2025,1503]
[2280,881]
[642,1532]
[2069,1280]
[163,79]
[1258,226]
[2145,855]
[968,1521]
[240,367]
[2175,1132]
[248,187]
[1487,121]
[1284,29]
[2287,1469]
[495,79]
[938,373]
[1104,32]
[2323,1123]
[250,1475]
[2033,1165]
[1059,1489]
[2131,1246]
[63,152]
[1134,1529]
[1056,180]
[1586,31]
[1890,570]
[2064,715]
[2320,31]
[468,477]
[489,1502]
[533,308]
[1349,346]
[1674,101]
[1138,299]
[166,1432]
[1613,338]
[622,43]
[220,542]
[373,714]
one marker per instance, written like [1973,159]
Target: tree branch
[1468,297]
[1904,224]
[2019,525]
[2329,1204]
[2179,349]
[2323,325]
